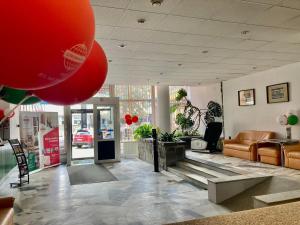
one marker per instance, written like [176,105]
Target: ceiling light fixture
[244,32]
[156,2]
[254,67]
[179,64]
[122,45]
[141,20]
[161,73]
[110,60]
[205,51]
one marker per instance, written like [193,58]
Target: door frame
[99,101]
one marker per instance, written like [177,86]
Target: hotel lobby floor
[139,197]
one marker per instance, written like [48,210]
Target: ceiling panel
[196,41]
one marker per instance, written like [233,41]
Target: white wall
[201,95]
[262,116]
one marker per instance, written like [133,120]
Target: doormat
[88,174]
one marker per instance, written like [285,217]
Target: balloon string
[14,108]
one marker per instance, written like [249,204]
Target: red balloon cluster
[48,48]
[131,119]
[43,42]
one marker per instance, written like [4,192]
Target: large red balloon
[85,83]
[43,42]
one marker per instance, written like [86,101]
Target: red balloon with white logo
[43,42]
[84,84]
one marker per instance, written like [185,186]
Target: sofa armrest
[7,202]
[291,148]
[267,144]
[229,141]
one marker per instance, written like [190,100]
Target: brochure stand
[21,161]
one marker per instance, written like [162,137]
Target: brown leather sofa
[6,210]
[244,145]
[292,156]
[269,153]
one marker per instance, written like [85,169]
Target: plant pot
[170,153]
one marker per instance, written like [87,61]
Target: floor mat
[89,173]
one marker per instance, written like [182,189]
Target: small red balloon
[85,83]
[129,122]
[127,117]
[43,42]
[135,119]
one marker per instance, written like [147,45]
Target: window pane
[103,92]
[121,91]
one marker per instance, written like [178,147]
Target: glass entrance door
[105,144]
[82,133]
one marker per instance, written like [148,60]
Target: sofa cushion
[294,155]
[6,216]
[240,147]
[268,151]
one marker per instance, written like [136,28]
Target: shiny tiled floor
[140,196]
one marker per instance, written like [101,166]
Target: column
[163,108]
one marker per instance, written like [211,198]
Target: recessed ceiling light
[244,32]
[205,51]
[179,64]
[109,60]
[156,2]
[141,21]
[161,73]
[122,45]
[254,67]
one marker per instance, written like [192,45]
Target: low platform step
[219,168]
[189,176]
[202,171]
[276,198]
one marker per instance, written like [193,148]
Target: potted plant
[170,149]
[143,134]
[190,117]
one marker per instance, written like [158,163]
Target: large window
[134,100]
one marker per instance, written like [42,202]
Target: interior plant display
[143,131]
[168,137]
[190,117]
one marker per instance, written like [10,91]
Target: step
[276,198]
[214,166]
[208,173]
[189,176]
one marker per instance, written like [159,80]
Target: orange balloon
[85,83]
[43,42]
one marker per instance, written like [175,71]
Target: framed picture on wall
[278,93]
[246,97]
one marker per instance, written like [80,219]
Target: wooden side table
[282,143]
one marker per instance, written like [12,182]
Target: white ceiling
[168,47]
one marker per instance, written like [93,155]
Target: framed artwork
[246,97]
[278,93]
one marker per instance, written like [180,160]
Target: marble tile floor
[139,197]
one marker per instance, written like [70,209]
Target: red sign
[51,146]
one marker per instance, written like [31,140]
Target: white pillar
[163,108]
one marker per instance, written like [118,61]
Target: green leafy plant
[143,131]
[189,117]
[168,137]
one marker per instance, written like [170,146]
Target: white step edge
[190,177]
[276,198]
[202,169]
